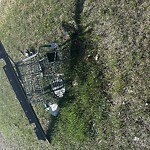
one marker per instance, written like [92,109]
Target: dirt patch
[5,145]
[5,8]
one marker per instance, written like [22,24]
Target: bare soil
[5,145]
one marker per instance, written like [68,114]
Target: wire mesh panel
[31,77]
[41,76]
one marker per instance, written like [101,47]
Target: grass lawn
[109,107]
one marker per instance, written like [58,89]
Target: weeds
[108,108]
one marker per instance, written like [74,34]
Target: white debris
[53,109]
[60,92]
[74,83]
[27,53]
[96,57]
[58,87]
[146,104]
[136,138]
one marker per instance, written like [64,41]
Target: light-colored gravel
[5,145]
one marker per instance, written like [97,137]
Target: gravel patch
[5,145]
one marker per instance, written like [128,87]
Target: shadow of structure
[77,44]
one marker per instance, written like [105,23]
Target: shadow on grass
[76,45]
[79,45]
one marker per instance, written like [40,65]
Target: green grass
[109,107]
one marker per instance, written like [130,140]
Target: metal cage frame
[40,74]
